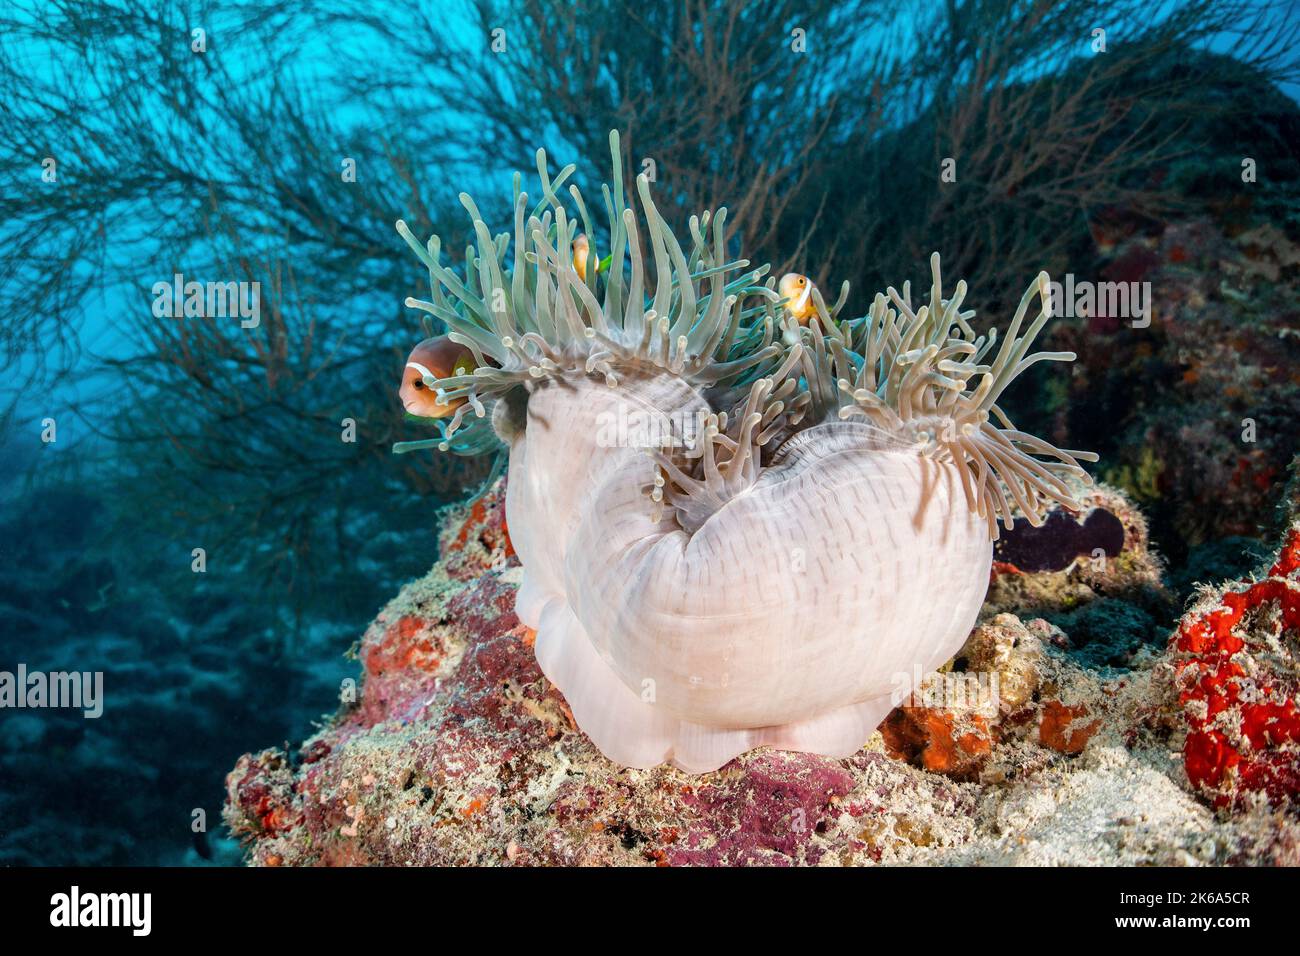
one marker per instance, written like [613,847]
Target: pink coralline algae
[1238,672]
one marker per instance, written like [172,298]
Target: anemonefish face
[438,357]
[581,250]
[797,291]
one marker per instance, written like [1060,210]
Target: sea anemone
[737,527]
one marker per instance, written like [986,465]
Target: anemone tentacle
[913,373]
[538,318]
[922,376]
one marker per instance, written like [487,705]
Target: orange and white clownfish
[797,290]
[581,250]
[438,357]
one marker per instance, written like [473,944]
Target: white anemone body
[795,616]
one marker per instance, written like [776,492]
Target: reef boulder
[1092,574]
[453,748]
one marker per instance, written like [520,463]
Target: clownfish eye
[418,383]
[802,281]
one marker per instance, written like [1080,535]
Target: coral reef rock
[1196,413]
[1073,559]
[455,749]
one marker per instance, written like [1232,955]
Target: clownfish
[438,357]
[797,291]
[581,250]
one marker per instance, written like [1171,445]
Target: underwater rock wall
[1198,413]
[457,750]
